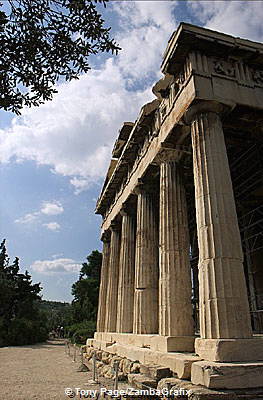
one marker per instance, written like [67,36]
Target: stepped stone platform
[138,348]
[142,375]
[141,349]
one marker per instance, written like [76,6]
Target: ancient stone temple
[182,209]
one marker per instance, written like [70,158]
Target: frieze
[257,76]
[238,70]
[224,68]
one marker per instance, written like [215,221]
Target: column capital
[115,226]
[169,152]
[166,155]
[144,187]
[204,107]
[105,237]
[127,210]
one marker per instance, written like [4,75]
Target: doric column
[175,308]
[103,283]
[126,273]
[146,265]
[113,279]
[224,309]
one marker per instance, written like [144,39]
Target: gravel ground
[42,371]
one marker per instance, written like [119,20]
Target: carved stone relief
[223,67]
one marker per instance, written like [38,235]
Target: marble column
[126,273]
[175,289]
[224,308]
[146,265]
[113,279]
[103,283]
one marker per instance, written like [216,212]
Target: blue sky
[54,157]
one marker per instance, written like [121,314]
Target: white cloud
[47,208]
[28,218]
[54,208]
[57,255]
[75,132]
[52,226]
[60,265]
[238,18]
[146,30]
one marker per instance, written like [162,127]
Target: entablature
[190,38]
[131,151]
[198,65]
[122,139]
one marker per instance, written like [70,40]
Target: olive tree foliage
[44,40]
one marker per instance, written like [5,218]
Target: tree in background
[57,314]
[85,302]
[20,319]
[43,40]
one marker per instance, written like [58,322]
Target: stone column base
[153,342]
[216,375]
[173,343]
[230,349]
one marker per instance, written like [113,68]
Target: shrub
[22,331]
[3,336]
[79,333]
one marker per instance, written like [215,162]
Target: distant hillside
[57,313]
[53,305]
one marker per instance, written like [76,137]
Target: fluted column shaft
[146,267]
[126,275]
[224,309]
[113,279]
[103,286]
[175,308]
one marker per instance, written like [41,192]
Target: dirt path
[41,371]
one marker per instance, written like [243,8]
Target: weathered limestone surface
[113,277]
[224,309]
[179,363]
[230,349]
[194,392]
[141,381]
[175,309]
[146,265]
[103,284]
[126,275]
[155,371]
[154,342]
[173,343]
[227,375]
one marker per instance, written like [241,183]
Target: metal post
[116,369]
[74,354]
[81,355]
[169,389]
[94,367]
[94,380]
